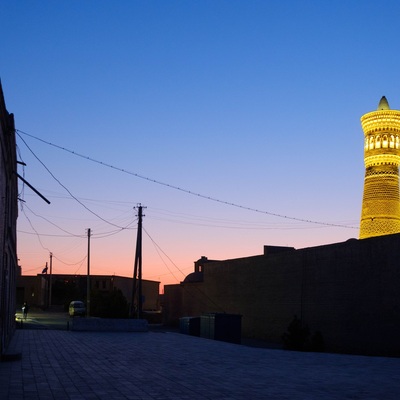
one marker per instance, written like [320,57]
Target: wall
[184,300]
[348,291]
[150,291]
[32,289]
[8,218]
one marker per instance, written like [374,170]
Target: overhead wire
[212,222]
[127,226]
[197,289]
[70,264]
[112,233]
[52,223]
[41,243]
[63,186]
[80,266]
[37,234]
[45,234]
[69,234]
[158,250]
[237,225]
[210,198]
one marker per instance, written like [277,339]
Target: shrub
[296,336]
[109,304]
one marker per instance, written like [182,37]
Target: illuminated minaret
[380,213]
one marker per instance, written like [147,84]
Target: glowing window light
[391,143]
[371,142]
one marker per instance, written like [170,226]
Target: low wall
[109,325]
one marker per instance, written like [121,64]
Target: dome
[194,277]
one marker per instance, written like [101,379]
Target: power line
[237,225]
[196,288]
[158,249]
[210,198]
[46,234]
[40,241]
[70,264]
[37,234]
[69,234]
[112,233]
[63,186]
[52,223]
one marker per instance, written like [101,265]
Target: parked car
[77,308]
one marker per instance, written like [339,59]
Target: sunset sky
[235,123]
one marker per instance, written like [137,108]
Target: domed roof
[194,277]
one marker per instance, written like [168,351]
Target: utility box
[221,326]
[189,326]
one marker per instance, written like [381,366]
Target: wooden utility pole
[46,299]
[50,278]
[88,277]
[137,298]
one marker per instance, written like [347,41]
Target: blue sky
[254,103]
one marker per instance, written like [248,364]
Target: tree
[108,304]
[297,335]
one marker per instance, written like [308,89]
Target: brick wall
[347,291]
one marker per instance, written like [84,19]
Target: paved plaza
[61,364]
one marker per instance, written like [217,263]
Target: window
[385,142]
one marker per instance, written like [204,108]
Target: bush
[296,336]
[109,304]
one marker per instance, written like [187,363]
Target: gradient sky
[252,103]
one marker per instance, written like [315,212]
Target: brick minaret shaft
[380,213]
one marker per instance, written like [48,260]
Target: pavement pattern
[60,364]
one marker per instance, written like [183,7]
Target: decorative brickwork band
[380,213]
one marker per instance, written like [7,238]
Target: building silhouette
[8,225]
[380,213]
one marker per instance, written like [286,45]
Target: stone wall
[349,292]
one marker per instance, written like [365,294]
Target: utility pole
[46,299]
[137,300]
[51,278]
[88,277]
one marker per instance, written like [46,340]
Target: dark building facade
[34,289]
[8,224]
[347,292]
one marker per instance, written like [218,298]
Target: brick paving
[61,365]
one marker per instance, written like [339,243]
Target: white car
[77,308]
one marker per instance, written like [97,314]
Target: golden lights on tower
[380,213]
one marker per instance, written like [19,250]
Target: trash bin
[221,326]
[189,326]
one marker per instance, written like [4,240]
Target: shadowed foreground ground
[58,364]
